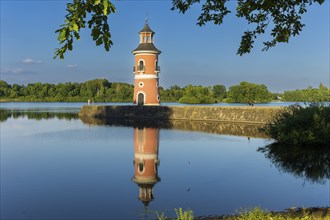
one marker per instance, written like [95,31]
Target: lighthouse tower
[146,162]
[146,69]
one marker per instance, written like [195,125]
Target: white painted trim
[141,84]
[148,54]
[142,156]
[153,104]
[146,76]
[145,52]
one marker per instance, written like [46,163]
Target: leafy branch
[76,20]
[283,15]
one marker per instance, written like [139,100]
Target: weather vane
[146,17]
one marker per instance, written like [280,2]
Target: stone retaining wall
[232,114]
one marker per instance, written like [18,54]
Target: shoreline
[317,213]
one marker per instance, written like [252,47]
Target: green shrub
[299,125]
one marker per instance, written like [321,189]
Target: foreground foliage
[97,12]
[283,17]
[257,214]
[180,215]
[303,126]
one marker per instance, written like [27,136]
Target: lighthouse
[146,69]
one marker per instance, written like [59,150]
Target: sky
[190,54]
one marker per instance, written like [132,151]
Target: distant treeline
[101,90]
[321,94]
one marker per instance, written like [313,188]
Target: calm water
[78,105]
[57,166]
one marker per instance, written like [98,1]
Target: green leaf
[62,35]
[106,5]
[112,8]
[70,46]
[96,2]
[75,27]
[99,41]
[77,36]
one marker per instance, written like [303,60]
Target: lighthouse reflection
[146,162]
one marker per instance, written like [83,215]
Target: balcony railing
[141,68]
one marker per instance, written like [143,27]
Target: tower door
[140,99]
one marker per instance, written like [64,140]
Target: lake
[55,165]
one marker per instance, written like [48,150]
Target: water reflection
[309,162]
[36,115]
[239,129]
[221,171]
[146,143]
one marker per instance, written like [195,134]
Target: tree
[322,94]
[247,92]
[4,88]
[219,92]
[284,16]
[197,95]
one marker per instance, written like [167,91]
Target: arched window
[141,166]
[156,66]
[141,65]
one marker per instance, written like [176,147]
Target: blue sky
[190,54]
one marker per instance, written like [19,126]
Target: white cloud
[12,71]
[29,61]
[72,65]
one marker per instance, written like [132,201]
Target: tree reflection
[35,115]
[309,162]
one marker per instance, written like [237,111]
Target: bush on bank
[298,125]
